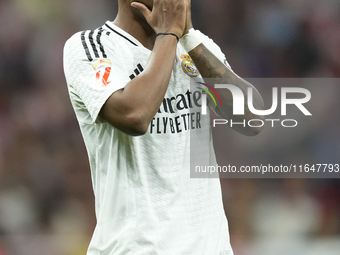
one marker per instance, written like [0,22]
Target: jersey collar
[112,27]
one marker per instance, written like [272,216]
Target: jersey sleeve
[90,81]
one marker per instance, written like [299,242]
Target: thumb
[142,8]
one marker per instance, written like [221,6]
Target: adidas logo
[137,71]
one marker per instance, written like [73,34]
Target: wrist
[187,29]
[190,40]
[171,34]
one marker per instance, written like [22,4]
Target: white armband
[191,40]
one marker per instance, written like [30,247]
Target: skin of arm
[131,109]
[211,67]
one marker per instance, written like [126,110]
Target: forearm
[211,67]
[146,92]
[132,108]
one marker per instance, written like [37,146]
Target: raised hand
[167,16]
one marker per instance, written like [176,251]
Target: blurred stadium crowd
[46,199]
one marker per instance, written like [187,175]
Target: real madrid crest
[188,66]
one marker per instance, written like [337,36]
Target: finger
[142,8]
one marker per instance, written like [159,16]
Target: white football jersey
[146,202]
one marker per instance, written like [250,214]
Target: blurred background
[46,198]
